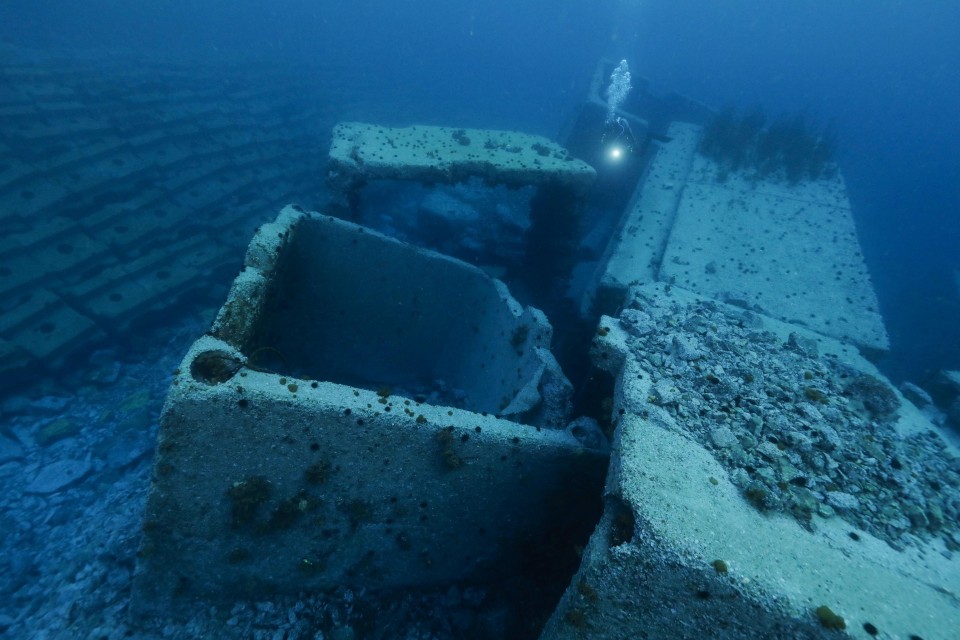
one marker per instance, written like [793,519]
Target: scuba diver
[617,139]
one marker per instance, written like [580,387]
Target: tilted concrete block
[362,412]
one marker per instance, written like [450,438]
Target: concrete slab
[46,327]
[361,152]
[13,359]
[18,271]
[725,419]
[35,194]
[71,253]
[299,447]
[113,222]
[791,252]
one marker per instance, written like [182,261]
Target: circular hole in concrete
[214,367]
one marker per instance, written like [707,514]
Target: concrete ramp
[788,251]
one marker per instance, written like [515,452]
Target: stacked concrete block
[309,442]
[361,152]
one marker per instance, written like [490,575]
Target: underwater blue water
[883,72]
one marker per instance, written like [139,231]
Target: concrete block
[84,172]
[19,270]
[35,194]
[361,152]
[724,516]
[12,171]
[13,359]
[45,327]
[71,253]
[127,220]
[202,193]
[344,424]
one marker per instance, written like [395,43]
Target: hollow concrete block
[362,412]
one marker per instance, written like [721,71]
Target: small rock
[723,437]
[126,448]
[769,450]
[588,432]
[10,450]
[23,404]
[636,322]
[59,475]
[806,346]
[842,501]
[665,393]
[105,369]
[740,478]
[751,320]
[917,517]
[686,349]
[877,398]
[829,438]
[58,429]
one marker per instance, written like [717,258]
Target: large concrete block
[363,412]
[790,251]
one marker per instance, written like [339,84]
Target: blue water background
[884,72]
